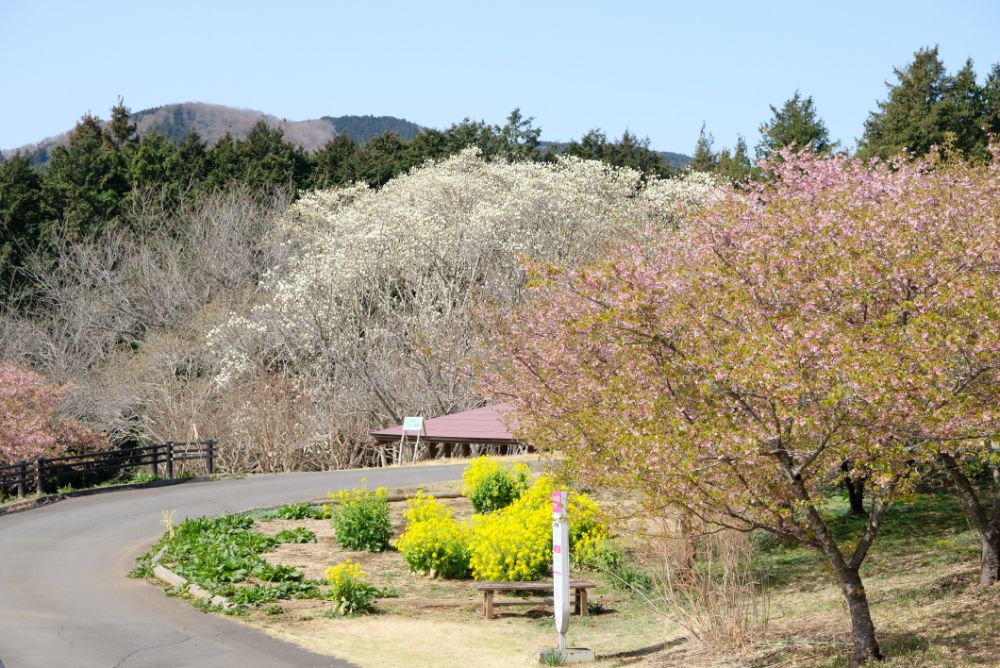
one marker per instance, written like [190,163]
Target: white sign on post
[560,564]
[413,424]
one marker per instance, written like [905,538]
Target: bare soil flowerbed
[434,622]
[925,601]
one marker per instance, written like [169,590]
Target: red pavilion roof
[480,425]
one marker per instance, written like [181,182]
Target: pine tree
[928,107]
[704,159]
[224,164]
[964,112]
[735,167]
[191,163]
[519,137]
[121,131]
[379,159]
[991,99]
[910,118]
[21,216]
[268,162]
[796,123]
[332,163]
[86,183]
[592,146]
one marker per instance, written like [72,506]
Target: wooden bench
[489,590]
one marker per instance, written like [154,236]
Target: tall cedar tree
[704,158]
[736,167]
[85,185]
[21,215]
[796,123]
[928,107]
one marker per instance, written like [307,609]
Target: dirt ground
[927,609]
[438,622]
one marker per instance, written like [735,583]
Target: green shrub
[492,485]
[361,519]
[434,543]
[350,589]
[604,556]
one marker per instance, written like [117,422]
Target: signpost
[410,424]
[413,424]
[560,587]
[560,564]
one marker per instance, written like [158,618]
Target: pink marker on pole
[560,564]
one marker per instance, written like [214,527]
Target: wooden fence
[46,473]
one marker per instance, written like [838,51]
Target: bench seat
[490,589]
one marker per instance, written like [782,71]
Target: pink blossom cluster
[841,312]
[29,426]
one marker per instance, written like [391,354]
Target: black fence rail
[46,473]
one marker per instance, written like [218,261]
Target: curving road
[65,599]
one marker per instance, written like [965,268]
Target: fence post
[155,459]
[40,475]
[170,460]
[22,478]
[210,456]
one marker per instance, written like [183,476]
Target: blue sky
[656,68]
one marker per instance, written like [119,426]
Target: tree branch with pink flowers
[842,316]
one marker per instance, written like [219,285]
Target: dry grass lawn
[921,579]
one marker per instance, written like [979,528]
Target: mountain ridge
[213,121]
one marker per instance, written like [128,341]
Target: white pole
[560,564]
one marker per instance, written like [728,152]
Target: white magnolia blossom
[372,306]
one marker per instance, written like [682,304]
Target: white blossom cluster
[375,296]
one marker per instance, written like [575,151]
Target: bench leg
[581,602]
[488,604]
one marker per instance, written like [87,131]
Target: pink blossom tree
[29,424]
[844,312]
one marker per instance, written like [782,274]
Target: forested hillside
[150,265]
[362,128]
[212,122]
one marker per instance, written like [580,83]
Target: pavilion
[457,434]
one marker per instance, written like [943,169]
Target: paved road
[65,600]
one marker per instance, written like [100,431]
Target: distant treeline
[106,170]
[925,107]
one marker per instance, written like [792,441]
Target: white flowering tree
[369,310]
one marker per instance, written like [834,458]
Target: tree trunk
[855,490]
[989,565]
[856,495]
[862,627]
[988,525]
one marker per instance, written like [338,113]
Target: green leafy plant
[491,485]
[298,511]
[361,519]
[297,535]
[434,543]
[610,559]
[141,477]
[142,570]
[552,657]
[350,589]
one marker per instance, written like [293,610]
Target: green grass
[921,529]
